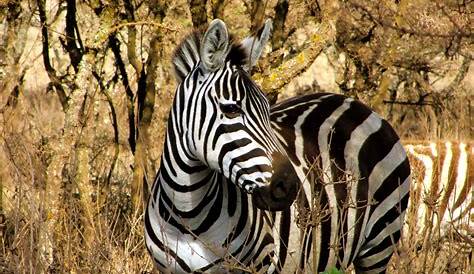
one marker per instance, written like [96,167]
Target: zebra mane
[186,55]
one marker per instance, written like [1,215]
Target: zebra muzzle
[280,193]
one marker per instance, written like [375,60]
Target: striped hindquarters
[356,181]
[441,202]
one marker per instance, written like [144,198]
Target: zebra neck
[202,203]
[183,179]
[205,215]
[198,201]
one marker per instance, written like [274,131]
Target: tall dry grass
[58,226]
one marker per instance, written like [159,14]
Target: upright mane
[186,55]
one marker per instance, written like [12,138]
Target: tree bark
[146,92]
[198,12]
[278,35]
[257,15]
[218,8]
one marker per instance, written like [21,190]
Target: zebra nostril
[250,187]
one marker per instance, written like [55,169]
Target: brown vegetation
[85,88]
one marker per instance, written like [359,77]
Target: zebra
[236,175]
[441,197]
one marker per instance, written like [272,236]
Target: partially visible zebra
[441,200]
[231,168]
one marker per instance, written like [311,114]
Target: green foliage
[333,270]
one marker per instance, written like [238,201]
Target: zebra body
[442,192]
[232,167]
[354,170]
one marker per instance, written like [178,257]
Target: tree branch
[272,80]
[13,97]
[257,13]
[462,72]
[75,52]
[315,9]
[278,35]
[198,12]
[104,90]
[404,30]
[55,82]
[218,8]
[407,103]
[132,39]
[114,44]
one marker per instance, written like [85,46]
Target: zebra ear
[214,46]
[254,45]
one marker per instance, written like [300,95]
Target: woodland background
[85,89]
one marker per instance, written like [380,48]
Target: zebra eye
[230,110]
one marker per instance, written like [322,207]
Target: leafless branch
[72,36]
[198,12]
[114,45]
[279,36]
[218,8]
[55,81]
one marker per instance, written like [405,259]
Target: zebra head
[225,117]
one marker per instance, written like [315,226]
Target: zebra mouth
[273,200]
[280,193]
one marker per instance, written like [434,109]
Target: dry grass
[34,241]
[60,213]
[46,226]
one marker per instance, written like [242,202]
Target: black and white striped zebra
[232,167]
